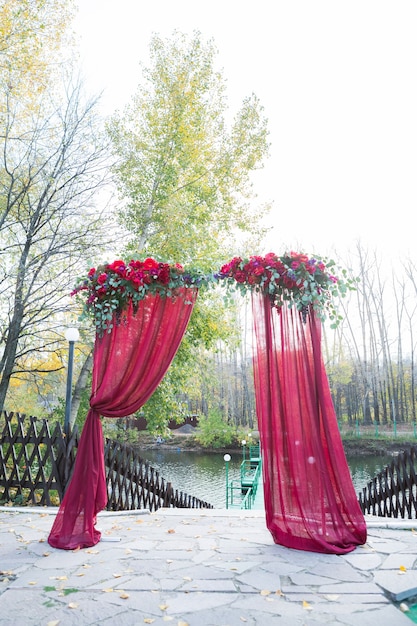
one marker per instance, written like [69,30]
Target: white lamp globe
[72,334]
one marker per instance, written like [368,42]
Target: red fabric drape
[129,363]
[310,501]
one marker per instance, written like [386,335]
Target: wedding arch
[141,310]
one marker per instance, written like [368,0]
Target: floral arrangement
[293,278]
[108,289]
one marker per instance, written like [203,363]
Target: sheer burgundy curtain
[310,501]
[129,363]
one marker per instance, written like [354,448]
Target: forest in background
[171,177]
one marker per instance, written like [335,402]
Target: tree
[33,37]
[54,160]
[184,176]
[49,176]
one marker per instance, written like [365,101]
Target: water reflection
[203,474]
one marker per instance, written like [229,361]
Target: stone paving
[199,568]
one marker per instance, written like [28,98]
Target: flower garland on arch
[293,278]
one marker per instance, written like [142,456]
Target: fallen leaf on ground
[124,596]
[403,568]
[108,590]
[33,582]
[149,620]
[265,592]
[73,605]
[55,622]
[117,575]
[307,606]
[163,607]
[170,531]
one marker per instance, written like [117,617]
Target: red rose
[164,275]
[240,277]
[102,279]
[150,264]
[117,266]
[271,258]
[135,265]
[137,280]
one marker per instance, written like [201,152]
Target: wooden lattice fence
[35,462]
[133,483]
[393,492]
[36,465]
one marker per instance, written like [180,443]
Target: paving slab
[194,567]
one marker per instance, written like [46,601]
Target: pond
[203,474]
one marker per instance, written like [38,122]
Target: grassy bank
[354,446]
[378,446]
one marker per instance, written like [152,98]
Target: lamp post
[226,459]
[71,335]
[244,449]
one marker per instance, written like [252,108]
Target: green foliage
[163,405]
[183,172]
[214,432]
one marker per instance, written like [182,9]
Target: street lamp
[71,335]
[244,449]
[226,459]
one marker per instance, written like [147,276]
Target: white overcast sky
[338,81]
